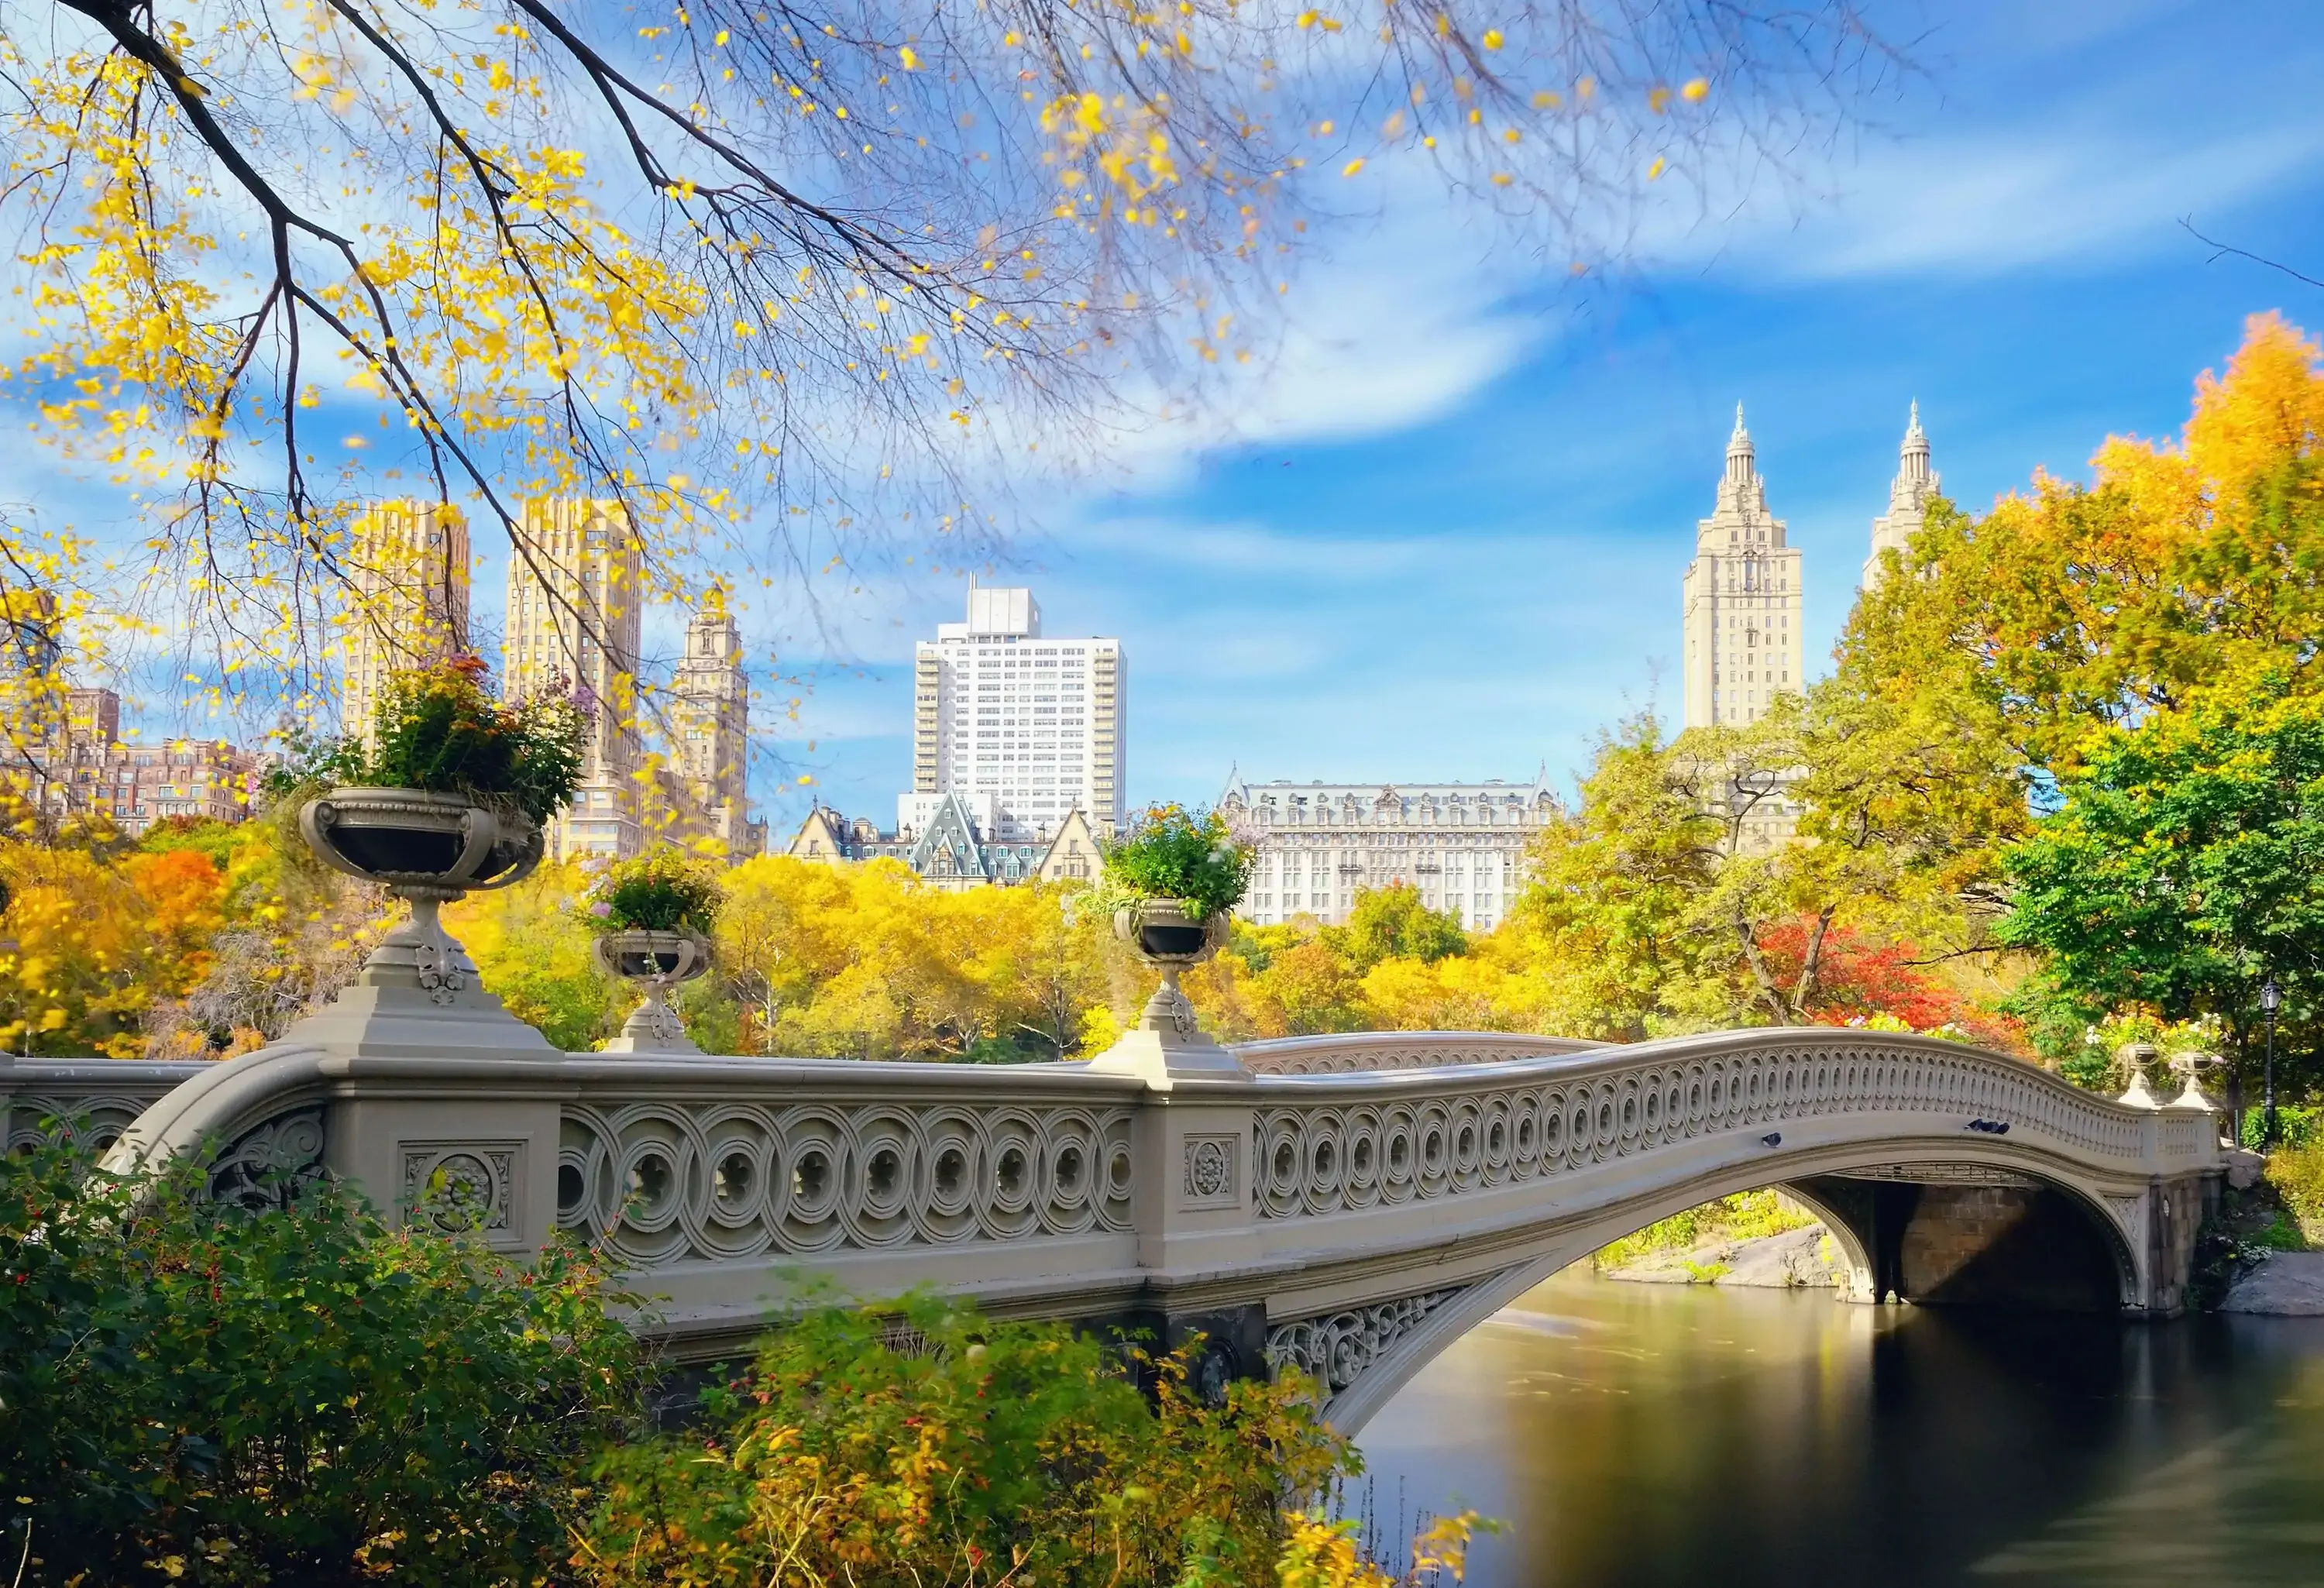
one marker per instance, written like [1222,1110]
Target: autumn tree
[2070,603]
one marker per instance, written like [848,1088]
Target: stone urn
[2138,1057]
[653,963]
[419,987]
[1168,1042]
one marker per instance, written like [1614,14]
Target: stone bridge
[1348,1204]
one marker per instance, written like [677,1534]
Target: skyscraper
[1908,499]
[1036,723]
[711,718]
[1742,601]
[409,563]
[572,624]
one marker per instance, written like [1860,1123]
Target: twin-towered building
[1744,640]
[573,622]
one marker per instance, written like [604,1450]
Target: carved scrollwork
[1338,1348]
[440,972]
[1316,1155]
[676,1181]
[269,1165]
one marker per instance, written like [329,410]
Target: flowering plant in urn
[447,794]
[1169,884]
[652,917]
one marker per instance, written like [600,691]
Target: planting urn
[652,962]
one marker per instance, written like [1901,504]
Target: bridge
[1349,1204]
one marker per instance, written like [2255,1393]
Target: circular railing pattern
[665,1182]
[1318,1156]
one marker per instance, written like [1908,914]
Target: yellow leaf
[1696,91]
[910,57]
[1352,167]
[1492,38]
[1655,169]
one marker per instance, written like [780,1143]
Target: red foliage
[1861,976]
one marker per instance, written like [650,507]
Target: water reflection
[1648,1434]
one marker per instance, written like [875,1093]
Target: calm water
[1651,1435]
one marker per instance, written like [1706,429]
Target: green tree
[1392,923]
[2185,864]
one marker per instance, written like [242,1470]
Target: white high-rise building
[1908,499]
[409,563]
[1035,722]
[1743,602]
[573,620]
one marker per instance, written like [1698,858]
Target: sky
[1444,537]
[1439,533]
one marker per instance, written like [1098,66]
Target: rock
[2244,1168]
[2289,1284]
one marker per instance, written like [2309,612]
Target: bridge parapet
[1350,1221]
[1353,1052]
[107,1094]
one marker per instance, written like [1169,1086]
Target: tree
[2109,602]
[1392,923]
[2185,864]
[841,263]
[534,954]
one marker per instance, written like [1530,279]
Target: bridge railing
[106,1094]
[725,1183]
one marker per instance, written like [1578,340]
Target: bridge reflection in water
[1648,1434]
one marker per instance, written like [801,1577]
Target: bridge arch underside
[1989,1225]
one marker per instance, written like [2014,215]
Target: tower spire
[1742,464]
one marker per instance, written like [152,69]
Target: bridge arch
[1363,1353]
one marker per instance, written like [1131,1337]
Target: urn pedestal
[416,996]
[1168,1044]
[653,963]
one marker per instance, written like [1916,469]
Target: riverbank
[1803,1257]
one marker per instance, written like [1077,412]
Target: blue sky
[1452,544]
[1440,532]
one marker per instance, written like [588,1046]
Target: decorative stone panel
[462,1186]
[1212,1176]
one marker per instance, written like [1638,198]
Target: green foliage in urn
[439,729]
[661,890]
[192,1391]
[922,1443]
[1170,853]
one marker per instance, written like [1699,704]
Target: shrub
[2296,1173]
[438,729]
[1169,854]
[191,1390]
[927,1444]
[661,890]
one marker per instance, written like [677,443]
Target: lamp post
[2271,999]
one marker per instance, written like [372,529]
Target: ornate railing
[1337,1144]
[108,1093]
[789,1160]
[1357,1210]
[1354,1052]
